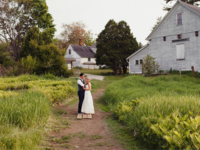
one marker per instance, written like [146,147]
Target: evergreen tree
[159,19]
[115,44]
[192,2]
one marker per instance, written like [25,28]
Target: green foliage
[160,112]
[149,65]
[28,64]
[114,44]
[49,58]
[5,56]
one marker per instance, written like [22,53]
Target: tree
[159,19]
[149,65]
[140,45]
[192,2]
[73,32]
[49,58]
[115,44]
[5,55]
[18,16]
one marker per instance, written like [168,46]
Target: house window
[179,19]
[164,38]
[137,62]
[180,52]
[141,61]
[89,59]
[197,33]
[69,51]
[179,36]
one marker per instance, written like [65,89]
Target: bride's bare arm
[89,87]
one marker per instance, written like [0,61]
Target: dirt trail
[86,134]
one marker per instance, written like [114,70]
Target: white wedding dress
[87,106]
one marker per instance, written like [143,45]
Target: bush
[149,65]
[28,64]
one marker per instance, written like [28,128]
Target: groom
[81,91]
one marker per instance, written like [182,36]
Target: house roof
[193,8]
[83,51]
[145,46]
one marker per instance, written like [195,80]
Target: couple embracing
[85,106]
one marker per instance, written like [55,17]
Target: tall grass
[142,103]
[25,110]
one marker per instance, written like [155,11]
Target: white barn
[174,43]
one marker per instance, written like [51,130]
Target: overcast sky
[140,15]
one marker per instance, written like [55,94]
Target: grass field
[163,112]
[26,108]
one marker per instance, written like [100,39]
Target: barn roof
[83,51]
[193,8]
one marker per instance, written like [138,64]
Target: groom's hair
[81,74]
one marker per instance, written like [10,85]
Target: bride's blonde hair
[87,79]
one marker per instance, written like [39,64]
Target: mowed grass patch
[162,112]
[97,71]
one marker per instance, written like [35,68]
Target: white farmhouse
[175,43]
[81,56]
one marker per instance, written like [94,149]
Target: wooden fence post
[180,73]
[193,70]
[134,73]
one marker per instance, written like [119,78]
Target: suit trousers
[81,98]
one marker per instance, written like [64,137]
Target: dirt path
[85,134]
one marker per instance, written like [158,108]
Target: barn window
[180,52]
[89,59]
[197,33]
[164,38]
[179,36]
[137,62]
[141,61]
[69,51]
[179,19]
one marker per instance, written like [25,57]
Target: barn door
[180,52]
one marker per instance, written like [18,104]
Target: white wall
[79,61]
[93,60]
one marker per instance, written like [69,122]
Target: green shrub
[28,64]
[26,110]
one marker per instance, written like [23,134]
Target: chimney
[80,42]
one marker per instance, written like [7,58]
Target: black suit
[81,94]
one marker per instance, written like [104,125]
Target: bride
[88,107]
